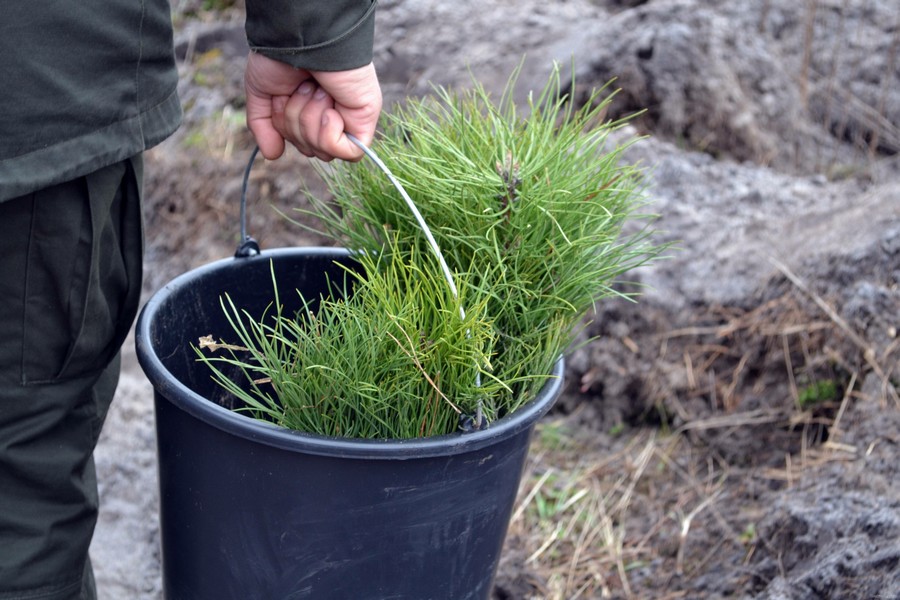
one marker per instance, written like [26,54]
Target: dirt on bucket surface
[733,434]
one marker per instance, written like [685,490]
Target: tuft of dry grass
[594,524]
[570,521]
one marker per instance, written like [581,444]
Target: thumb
[333,137]
[357,97]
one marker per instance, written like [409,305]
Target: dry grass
[570,521]
[590,524]
[647,513]
[607,516]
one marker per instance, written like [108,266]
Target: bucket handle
[250,247]
[467,422]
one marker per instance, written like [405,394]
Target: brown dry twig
[208,342]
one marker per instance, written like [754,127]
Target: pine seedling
[528,209]
[394,359]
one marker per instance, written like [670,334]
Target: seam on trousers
[23,380]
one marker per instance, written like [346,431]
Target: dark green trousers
[70,281]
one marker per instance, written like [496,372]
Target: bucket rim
[169,389]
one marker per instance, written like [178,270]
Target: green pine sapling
[528,208]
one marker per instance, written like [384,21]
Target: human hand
[310,109]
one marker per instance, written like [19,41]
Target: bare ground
[736,433]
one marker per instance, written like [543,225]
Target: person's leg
[70,280]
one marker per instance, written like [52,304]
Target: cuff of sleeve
[349,50]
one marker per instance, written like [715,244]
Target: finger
[333,138]
[279,103]
[259,121]
[291,128]
[310,122]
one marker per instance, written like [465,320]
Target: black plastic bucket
[254,511]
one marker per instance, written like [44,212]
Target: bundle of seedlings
[527,207]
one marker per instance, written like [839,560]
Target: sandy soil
[735,433]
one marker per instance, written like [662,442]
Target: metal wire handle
[250,247]
[479,414]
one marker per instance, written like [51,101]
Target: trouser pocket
[83,251]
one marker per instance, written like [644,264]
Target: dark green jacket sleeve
[319,35]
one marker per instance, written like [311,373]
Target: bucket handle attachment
[248,246]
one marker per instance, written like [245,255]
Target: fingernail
[320,93]
[305,88]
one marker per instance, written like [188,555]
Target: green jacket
[86,84]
